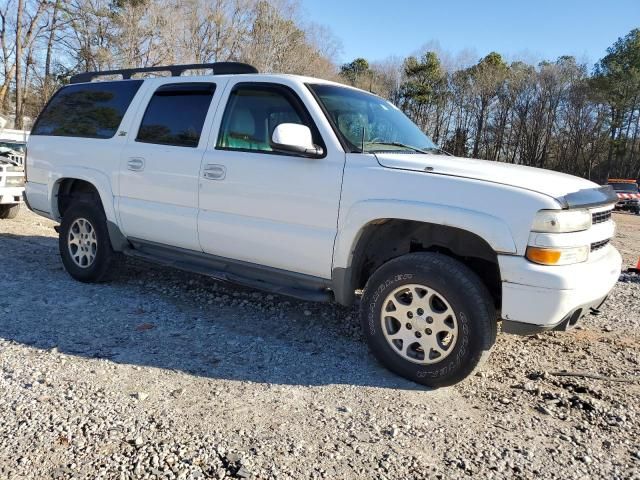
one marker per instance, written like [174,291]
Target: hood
[560,186]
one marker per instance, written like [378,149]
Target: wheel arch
[67,188]
[85,181]
[382,240]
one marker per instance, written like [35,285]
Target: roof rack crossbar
[219,68]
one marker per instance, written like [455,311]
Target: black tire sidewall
[468,298]
[7,212]
[104,253]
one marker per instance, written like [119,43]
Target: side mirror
[295,138]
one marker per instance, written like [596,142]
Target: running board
[248,275]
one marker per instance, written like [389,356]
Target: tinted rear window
[89,110]
[176,113]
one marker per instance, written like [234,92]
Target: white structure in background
[14,135]
[11,176]
[10,134]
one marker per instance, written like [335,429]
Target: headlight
[16,181]
[561,221]
[558,256]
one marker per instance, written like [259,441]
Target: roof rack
[219,68]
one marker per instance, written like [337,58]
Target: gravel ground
[162,374]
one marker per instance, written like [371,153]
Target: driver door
[262,206]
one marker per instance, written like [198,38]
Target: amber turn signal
[545,256]
[557,256]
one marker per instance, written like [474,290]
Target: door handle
[136,164]
[214,172]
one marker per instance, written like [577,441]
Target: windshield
[385,127]
[17,146]
[625,187]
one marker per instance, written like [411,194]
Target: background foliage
[557,114]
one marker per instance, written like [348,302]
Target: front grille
[599,245]
[600,217]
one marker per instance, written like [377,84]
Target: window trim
[346,144]
[178,86]
[298,105]
[140,82]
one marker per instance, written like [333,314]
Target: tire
[84,225]
[456,307]
[7,212]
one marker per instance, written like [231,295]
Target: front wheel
[428,318]
[85,247]
[7,212]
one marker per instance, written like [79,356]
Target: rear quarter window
[88,110]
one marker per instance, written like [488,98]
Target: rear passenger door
[160,163]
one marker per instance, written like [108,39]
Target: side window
[254,111]
[175,114]
[89,110]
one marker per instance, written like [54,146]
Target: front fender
[492,229]
[95,177]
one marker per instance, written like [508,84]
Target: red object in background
[628,196]
[635,270]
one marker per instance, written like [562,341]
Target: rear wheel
[84,243]
[8,212]
[428,318]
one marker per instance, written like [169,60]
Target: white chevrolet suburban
[319,191]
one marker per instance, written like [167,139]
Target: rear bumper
[538,298]
[10,195]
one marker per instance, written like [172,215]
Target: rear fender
[99,180]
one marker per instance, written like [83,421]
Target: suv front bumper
[10,195]
[537,298]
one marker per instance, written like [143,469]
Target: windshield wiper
[410,147]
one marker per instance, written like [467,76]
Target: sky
[531,30]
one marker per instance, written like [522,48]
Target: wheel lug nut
[420,312]
[410,314]
[428,331]
[418,334]
[409,326]
[429,320]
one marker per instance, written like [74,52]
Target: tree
[17,37]
[617,83]
[355,71]
[487,78]
[423,93]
